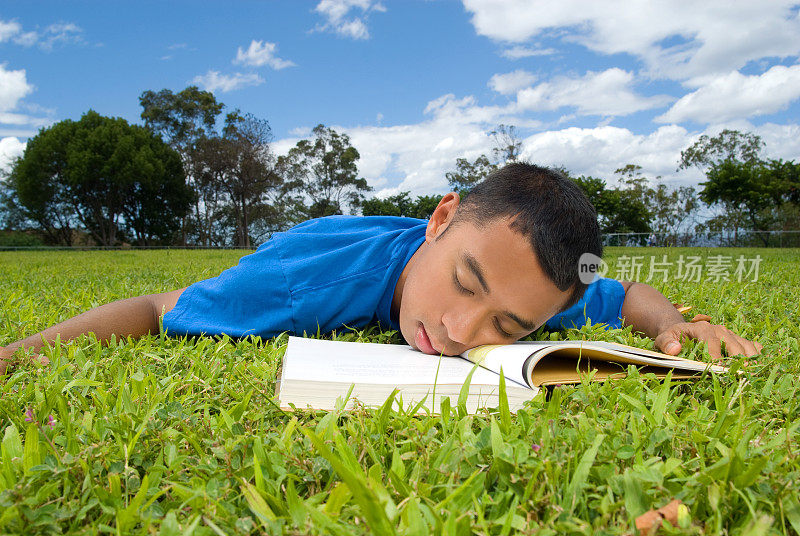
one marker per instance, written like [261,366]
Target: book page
[390,364]
[511,357]
[618,353]
[520,359]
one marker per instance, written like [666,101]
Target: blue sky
[416,84]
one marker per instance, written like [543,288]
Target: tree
[395,205]
[183,119]
[594,189]
[754,188]
[468,174]
[236,171]
[669,209]
[321,175]
[619,210]
[727,145]
[622,211]
[401,205]
[114,179]
[672,208]
[506,149]
[748,188]
[507,145]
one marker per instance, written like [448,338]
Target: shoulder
[355,224]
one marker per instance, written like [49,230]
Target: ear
[442,216]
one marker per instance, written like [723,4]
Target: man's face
[471,286]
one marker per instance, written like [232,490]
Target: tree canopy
[401,205]
[322,174]
[727,145]
[118,181]
[749,189]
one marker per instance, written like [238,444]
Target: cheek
[420,297]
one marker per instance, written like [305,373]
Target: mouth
[423,342]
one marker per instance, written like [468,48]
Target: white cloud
[336,13]
[215,81]
[517,52]
[13,87]
[7,118]
[601,150]
[261,53]
[737,96]
[596,93]
[10,149]
[782,141]
[60,33]
[8,30]
[510,83]
[677,39]
[54,34]
[415,157]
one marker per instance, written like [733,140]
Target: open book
[316,372]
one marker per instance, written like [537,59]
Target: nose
[462,326]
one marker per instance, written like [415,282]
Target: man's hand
[714,335]
[132,317]
[7,359]
[649,312]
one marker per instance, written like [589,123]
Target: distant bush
[19,239]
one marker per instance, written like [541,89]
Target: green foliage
[727,145]
[638,204]
[322,174]
[19,239]
[116,180]
[236,174]
[467,174]
[619,210]
[401,205]
[180,118]
[754,193]
[176,436]
[755,189]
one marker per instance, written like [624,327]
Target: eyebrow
[476,269]
[525,324]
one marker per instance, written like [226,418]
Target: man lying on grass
[488,269]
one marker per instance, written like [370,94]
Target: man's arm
[649,312]
[132,317]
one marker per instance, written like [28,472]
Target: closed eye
[461,288]
[500,329]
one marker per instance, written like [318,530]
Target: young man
[486,270]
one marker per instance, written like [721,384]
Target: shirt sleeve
[601,303]
[251,298]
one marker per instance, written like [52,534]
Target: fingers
[715,336]
[669,342]
[714,344]
[732,346]
[7,360]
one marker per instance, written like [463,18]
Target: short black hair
[547,208]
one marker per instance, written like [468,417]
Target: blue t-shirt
[329,273]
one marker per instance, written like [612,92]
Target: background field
[167,436]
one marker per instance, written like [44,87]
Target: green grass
[169,436]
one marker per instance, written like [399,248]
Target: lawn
[169,436]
